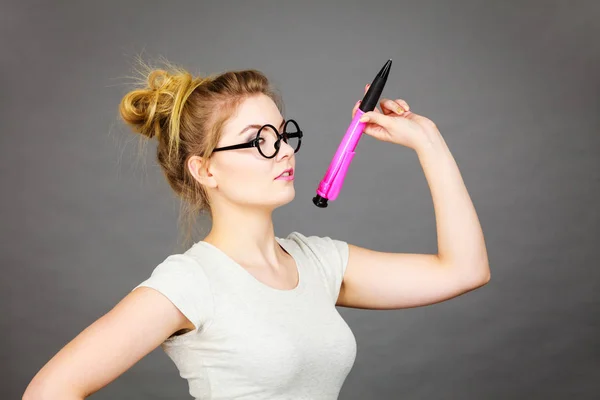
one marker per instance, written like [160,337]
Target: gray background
[512,85]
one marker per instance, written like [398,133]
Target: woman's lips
[285,178]
[290,171]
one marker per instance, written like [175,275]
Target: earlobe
[201,172]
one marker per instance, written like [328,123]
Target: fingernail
[364,118]
[400,110]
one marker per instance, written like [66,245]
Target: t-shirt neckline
[301,278]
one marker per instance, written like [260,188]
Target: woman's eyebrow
[255,126]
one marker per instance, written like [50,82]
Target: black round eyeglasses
[268,139]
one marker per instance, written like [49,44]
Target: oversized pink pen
[332,182]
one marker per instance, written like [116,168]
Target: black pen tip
[385,70]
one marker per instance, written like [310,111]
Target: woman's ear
[200,170]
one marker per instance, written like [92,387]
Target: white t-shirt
[253,341]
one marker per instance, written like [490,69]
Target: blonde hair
[186,114]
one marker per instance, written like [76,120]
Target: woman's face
[244,176]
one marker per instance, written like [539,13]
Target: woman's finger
[376,131]
[404,104]
[399,106]
[390,107]
[379,119]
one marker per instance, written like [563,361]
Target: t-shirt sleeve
[181,279]
[333,260]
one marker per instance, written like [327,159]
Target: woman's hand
[395,123]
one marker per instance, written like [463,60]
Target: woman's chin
[287,196]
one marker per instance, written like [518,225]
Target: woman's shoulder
[179,264]
[181,278]
[179,270]
[316,242]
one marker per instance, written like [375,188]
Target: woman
[244,314]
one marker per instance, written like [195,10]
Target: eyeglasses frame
[254,142]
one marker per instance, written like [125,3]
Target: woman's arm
[111,345]
[461,242]
[379,280]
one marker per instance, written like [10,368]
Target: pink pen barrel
[331,184]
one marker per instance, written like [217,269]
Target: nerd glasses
[268,139]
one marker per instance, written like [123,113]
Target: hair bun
[148,109]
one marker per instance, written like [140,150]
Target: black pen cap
[369,101]
[320,201]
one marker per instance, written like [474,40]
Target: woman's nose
[285,149]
